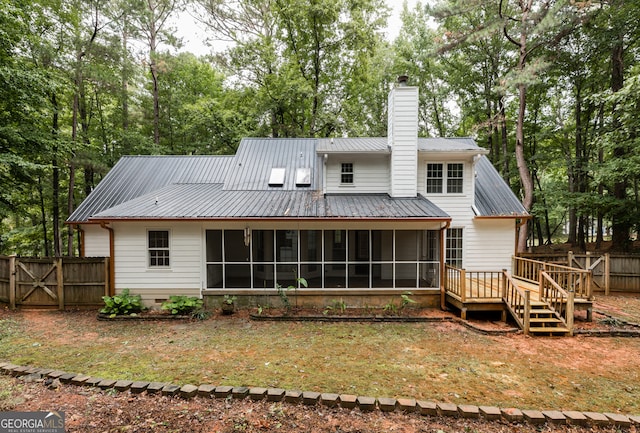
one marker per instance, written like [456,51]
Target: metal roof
[353,145]
[211,201]
[380,145]
[168,187]
[135,176]
[493,197]
[257,156]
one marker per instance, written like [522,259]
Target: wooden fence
[611,272]
[53,282]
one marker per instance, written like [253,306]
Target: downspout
[443,258]
[519,224]
[80,231]
[112,249]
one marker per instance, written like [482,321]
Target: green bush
[182,305]
[123,304]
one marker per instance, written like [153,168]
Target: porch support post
[463,285]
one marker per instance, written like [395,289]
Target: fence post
[607,273]
[527,312]
[588,261]
[570,259]
[107,276]
[12,282]
[60,282]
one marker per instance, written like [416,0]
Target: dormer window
[437,178]
[346,173]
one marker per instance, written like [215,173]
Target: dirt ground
[93,410]
[90,410]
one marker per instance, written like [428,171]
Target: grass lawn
[433,361]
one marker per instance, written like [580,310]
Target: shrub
[182,305]
[122,305]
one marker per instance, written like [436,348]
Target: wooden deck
[558,289]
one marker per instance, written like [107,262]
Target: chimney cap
[402,80]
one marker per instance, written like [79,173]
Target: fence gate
[53,282]
[39,283]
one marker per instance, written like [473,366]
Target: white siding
[403,139]
[490,245]
[183,277]
[96,241]
[370,174]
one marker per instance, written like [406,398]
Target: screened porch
[341,258]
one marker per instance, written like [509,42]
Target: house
[361,219]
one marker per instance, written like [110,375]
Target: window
[434,178]
[454,178]
[158,248]
[346,174]
[454,247]
[437,178]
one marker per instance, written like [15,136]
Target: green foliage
[406,300]
[123,304]
[282,291]
[338,306]
[182,305]
[229,299]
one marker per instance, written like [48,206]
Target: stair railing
[518,301]
[559,300]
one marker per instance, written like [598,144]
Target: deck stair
[544,322]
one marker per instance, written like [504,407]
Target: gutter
[112,269]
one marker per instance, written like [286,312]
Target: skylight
[277,176]
[303,176]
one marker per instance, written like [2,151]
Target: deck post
[570,259]
[463,285]
[527,312]
[541,294]
[570,311]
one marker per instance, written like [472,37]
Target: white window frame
[347,173]
[458,261]
[444,179]
[166,260]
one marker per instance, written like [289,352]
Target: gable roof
[219,187]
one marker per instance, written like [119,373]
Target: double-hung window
[445,177]
[158,244]
[346,173]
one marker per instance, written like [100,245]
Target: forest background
[551,88]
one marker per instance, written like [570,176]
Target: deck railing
[578,280]
[473,284]
[518,301]
[558,299]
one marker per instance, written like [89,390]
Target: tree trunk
[620,222]
[57,240]
[523,168]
